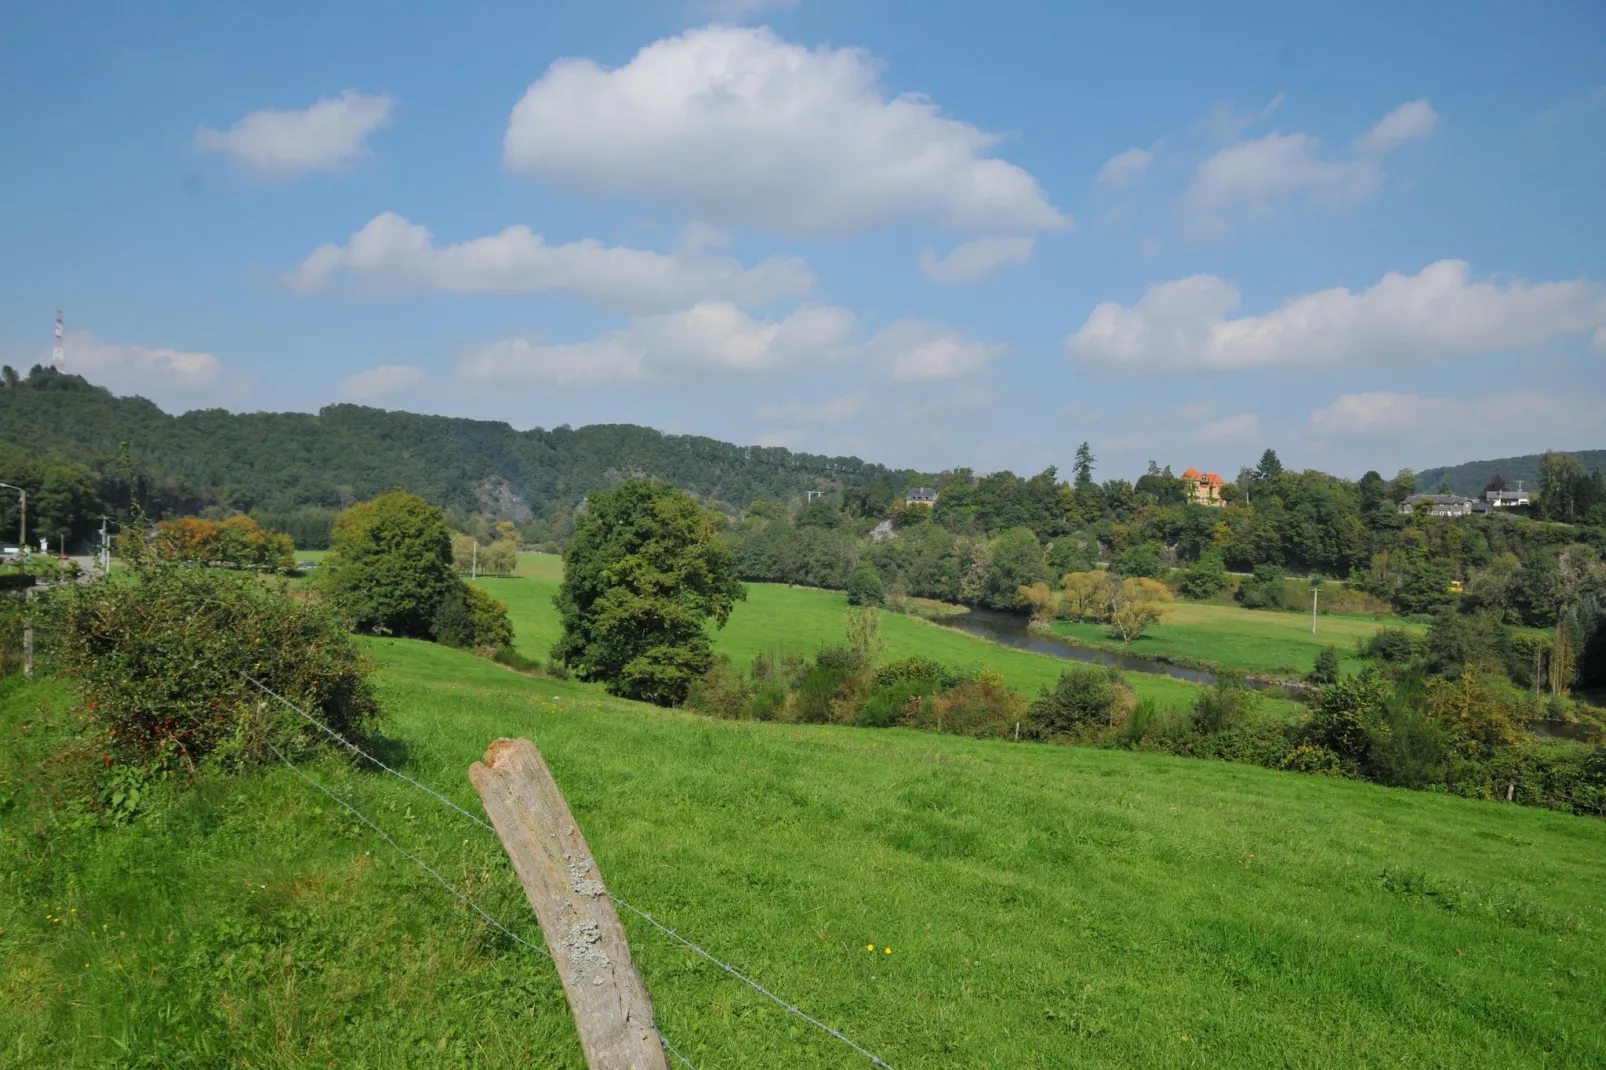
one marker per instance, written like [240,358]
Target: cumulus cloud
[392,254]
[330,135]
[831,411]
[975,260]
[1493,424]
[1252,179]
[137,365]
[711,335]
[1123,169]
[913,351]
[1411,121]
[383,381]
[1438,312]
[746,129]
[718,336]
[1245,425]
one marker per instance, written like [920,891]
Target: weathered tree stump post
[611,1009]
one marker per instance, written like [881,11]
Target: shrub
[1206,579]
[888,702]
[1312,758]
[1141,560]
[159,656]
[1263,590]
[1349,712]
[816,693]
[1083,699]
[1325,671]
[721,691]
[506,655]
[1409,749]
[1393,645]
[470,617]
[917,669]
[980,707]
[864,586]
[1224,705]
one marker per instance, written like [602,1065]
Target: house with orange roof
[1204,486]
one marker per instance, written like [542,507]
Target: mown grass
[1045,906]
[1244,640]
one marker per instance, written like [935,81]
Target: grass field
[1045,906]
[803,619]
[1248,640]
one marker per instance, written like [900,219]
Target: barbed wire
[465,900]
[875,1060]
[425,866]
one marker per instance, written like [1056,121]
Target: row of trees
[238,542]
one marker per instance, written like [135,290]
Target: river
[1011,630]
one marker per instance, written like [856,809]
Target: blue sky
[932,234]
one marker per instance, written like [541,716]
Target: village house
[920,496]
[1204,486]
[1439,504]
[1505,499]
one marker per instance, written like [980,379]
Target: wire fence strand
[874,1059]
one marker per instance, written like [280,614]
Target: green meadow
[1043,906]
[1246,640]
[803,619]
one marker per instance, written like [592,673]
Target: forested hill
[1470,478]
[281,462]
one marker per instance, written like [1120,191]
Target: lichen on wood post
[612,1011]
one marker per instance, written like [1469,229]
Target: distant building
[1505,499]
[920,496]
[1439,504]
[1204,486]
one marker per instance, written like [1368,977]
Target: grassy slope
[1046,906]
[1251,640]
[804,619]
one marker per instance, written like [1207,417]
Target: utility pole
[1314,592]
[474,569]
[105,549]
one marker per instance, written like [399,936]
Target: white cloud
[382,381]
[1224,122]
[138,366]
[1496,424]
[914,351]
[711,335]
[1411,121]
[1245,425]
[328,136]
[1123,169]
[390,253]
[975,260]
[1251,179]
[744,128]
[1438,312]
[791,438]
[831,411]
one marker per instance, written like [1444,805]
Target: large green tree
[390,564]
[644,573]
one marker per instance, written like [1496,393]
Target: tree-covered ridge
[1471,477]
[279,463]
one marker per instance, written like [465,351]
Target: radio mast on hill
[58,352]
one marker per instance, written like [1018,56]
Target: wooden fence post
[611,1009]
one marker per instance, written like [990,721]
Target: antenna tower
[58,352]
